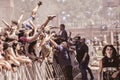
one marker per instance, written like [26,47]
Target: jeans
[67,71]
[83,67]
[27,24]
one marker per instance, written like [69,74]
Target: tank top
[110,65]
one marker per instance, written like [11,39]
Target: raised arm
[20,18]
[34,11]
[54,43]
[33,38]
[6,23]
[47,21]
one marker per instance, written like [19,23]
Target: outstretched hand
[51,17]
[39,3]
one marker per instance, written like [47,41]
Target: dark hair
[5,46]
[79,37]
[114,54]
[62,25]
[21,33]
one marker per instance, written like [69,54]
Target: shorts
[26,23]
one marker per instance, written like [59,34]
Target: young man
[63,33]
[83,58]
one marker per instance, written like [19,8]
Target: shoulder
[59,47]
[104,58]
[64,31]
[84,46]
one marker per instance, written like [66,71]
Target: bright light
[68,15]
[110,8]
[63,12]
[64,18]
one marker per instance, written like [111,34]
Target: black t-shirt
[64,35]
[81,49]
[110,62]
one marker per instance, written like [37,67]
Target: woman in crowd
[109,65]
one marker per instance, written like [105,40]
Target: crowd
[26,43]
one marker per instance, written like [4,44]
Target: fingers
[39,3]
[51,17]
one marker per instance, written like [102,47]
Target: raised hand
[51,17]
[39,3]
